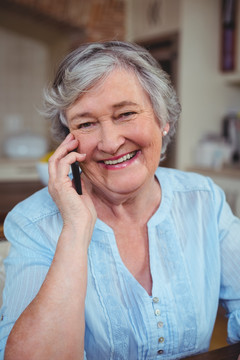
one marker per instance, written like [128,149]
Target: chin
[126,185]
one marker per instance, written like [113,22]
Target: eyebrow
[124,103]
[88,114]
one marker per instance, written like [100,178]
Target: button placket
[160,324]
[161,340]
[157,312]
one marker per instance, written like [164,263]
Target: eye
[127,114]
[85,125]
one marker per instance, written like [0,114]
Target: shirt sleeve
[26,267]
[229,235]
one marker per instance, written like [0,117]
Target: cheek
[150,137]
[148,131]
[87,144]
[153,146]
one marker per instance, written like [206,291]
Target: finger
[59,175]
[67,145]
[64,148]
[68,138]
[64,164]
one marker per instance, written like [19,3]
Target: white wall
[149,18]
[30,50]
[23,74]
[204,92]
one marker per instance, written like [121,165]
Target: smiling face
[119,133]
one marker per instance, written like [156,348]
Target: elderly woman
[135,266]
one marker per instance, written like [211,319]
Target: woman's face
[117,130]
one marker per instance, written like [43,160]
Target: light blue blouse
[194,247]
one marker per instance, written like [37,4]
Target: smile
[121,159]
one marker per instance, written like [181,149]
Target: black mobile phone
[75,171]
[77,177]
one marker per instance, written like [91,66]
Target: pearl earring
[164,132]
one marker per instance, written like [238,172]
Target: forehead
[119,86]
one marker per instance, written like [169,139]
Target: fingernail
[69,135]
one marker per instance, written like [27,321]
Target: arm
[53,324]
[230,279]
[229,235]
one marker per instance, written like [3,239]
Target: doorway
[165,51]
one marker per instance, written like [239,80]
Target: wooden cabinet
[19,179]
[12,192]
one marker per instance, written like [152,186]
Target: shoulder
[36,221]
[181,181]
[37,206]
[37,209]
[193,191]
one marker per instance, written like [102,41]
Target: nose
[111,138]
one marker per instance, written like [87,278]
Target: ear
[166,129]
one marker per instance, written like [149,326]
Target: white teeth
[121,159]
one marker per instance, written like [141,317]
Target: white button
[160,324]
[155,299]
[161,340]
[157,312]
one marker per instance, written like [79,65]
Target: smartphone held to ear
[76,177]
[75,172]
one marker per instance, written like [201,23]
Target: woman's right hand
[77,211]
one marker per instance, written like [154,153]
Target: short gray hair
[90,63]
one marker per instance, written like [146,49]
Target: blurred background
[196,41]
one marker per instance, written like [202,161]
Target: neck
[137,207]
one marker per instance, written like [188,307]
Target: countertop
[232,172]
[18,169]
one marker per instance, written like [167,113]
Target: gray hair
[90,63]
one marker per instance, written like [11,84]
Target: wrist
[77,236]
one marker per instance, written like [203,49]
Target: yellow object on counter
[46,157]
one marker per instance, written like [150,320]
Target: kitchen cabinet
[12,192]
[18,180]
